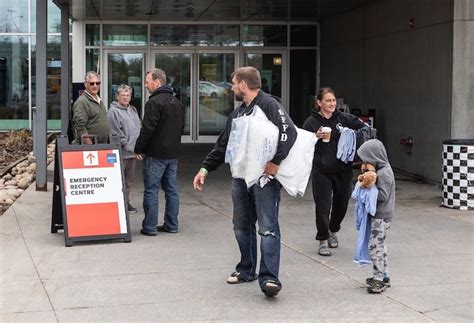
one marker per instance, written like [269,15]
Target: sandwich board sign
[92,192]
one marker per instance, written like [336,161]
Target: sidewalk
[182,276]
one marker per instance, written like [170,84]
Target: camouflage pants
[378,247]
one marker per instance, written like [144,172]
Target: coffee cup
[327,132]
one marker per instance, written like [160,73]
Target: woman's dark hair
[319,96]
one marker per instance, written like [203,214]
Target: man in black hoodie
[160,141]
[255,203]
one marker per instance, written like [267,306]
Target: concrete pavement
[182,276]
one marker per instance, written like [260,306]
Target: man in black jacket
[160,141]
[255,203]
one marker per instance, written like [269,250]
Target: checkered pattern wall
[458,175]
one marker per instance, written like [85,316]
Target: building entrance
[201,80]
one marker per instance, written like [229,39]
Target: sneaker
[332,240]
[131,209]
[370,281]
[376,287]
[162,228]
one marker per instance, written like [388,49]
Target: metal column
[41,84]
[65,73]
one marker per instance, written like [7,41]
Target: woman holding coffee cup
[331,178]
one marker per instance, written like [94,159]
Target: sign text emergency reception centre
[93,193]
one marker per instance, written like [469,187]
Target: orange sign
[93,193]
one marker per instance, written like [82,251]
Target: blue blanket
[366,205]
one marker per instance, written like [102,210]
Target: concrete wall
[395,56]
[463,71]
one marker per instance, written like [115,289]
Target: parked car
[211,90]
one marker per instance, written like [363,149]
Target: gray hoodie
[373,152]
[124,122]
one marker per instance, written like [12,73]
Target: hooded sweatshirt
[373,152]
[125,123]
[325,154]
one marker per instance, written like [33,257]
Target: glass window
[54,17]
[270,69]
[53,87]
[267,35]
[92,35]
[302,84]
[14,16]
[125,35]
[92,59]
[302,35]
[195,35]
[14,101]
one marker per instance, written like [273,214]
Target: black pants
[330,190]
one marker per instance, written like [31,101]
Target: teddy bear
[368,176]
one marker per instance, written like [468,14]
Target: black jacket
[162,126]
[325,159]
[274,111]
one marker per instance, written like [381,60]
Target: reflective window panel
[178,76]
[14,16]
[54,16]
[92,35]
[126,68]
[92,59]
[53,87]
[14,78]
[265,35]
[195,35]
[270,69]
[125,35]
[216,100]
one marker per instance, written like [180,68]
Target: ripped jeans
[252,205]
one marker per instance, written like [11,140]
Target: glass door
[201,81]
[272,67]
[124,67]
[177,66]
[215,99]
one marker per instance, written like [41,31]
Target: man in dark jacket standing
[160,141]
[255,203]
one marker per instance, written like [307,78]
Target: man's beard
[239,97]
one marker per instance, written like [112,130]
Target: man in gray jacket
[89,114]
[125,122]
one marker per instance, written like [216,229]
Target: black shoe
[131,209]
[271,288]
[376,287]
[161,228]
[148,233]
[370,281]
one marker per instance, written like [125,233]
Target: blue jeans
[252,205]
[160,173]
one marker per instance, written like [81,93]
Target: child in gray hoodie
[373,152]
